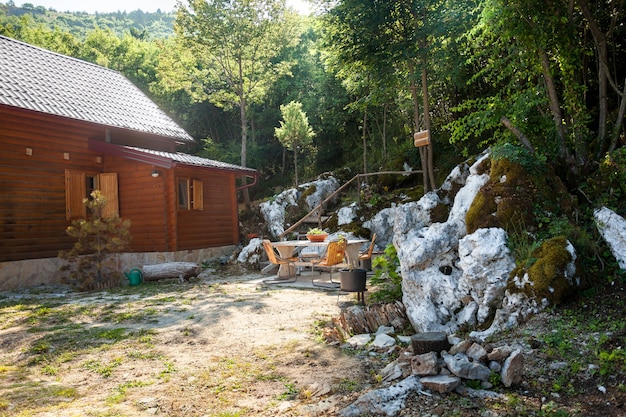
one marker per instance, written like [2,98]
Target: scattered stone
[460,347]
[383,340]
[425,364]
[495,366]
[486,385]
[404,339]
[476,352]
[385,401]
[441,383]
[512,369]
[429,342]
[499,353]
[318,390]
[385,330]
[453,340]
[555,366]
[391,372]
[359,341]
[460,365]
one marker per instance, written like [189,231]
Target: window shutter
[107,183]
[74,194]
[198,195]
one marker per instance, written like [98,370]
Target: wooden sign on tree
[421,138]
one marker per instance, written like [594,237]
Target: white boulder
[612,227]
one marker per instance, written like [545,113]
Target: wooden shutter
[107,184]
[198,195]
[74,195]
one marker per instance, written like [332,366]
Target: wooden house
[67,127]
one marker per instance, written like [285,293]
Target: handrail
[338,190]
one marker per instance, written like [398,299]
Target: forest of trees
[548,76]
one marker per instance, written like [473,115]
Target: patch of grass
[166,373]
[21,398]
[120,391]
[349,385]
[290,392]
[103,369]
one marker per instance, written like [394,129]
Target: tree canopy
[294,132]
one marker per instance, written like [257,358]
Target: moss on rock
[546,276]
[516,198]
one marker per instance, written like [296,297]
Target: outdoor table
[285,249]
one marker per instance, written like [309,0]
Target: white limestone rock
[274,211]
[385,401]
[512,369]
[251,253]
[359,340]
[441,383]
[432,297]
[461,366]
[486,263]
[612,227]
[383,340]
[346,215]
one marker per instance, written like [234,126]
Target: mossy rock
[513,197]
[439,213]
[547,274]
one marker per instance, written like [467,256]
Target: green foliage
[387,278]
[97,237]
[518,155]
[607,187]
[294,132]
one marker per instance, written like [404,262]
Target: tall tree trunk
[429,148]
[619,122]
[416,120]
[384,134]
[244,140]
[295,163]
[555,106]
[282,171]
[600,41]
[364,141]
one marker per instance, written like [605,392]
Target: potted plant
[352,279]
[316,234]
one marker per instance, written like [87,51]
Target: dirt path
[215,347]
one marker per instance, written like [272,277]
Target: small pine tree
[96,238]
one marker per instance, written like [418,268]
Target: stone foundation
[34,272]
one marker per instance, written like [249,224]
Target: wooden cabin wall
[217,224]
[32,187]
[142,201]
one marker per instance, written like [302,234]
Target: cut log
[180,270]
[429,342]
[357,320]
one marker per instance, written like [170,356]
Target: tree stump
[429,342]
[180,270]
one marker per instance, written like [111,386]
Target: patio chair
[335,255]
[367,256]
[275,258]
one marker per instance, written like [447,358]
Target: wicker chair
[274,257]
[368,255]
[334,258]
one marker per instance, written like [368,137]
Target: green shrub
[97,237]
[386,277]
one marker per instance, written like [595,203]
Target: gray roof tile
[44,81]
[186,159]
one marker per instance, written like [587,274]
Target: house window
[190,194]
[78,187]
